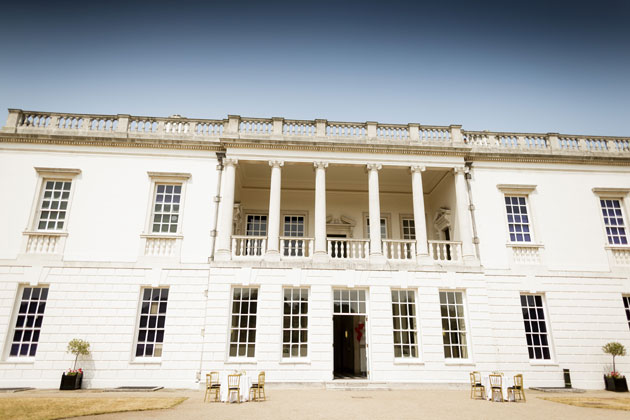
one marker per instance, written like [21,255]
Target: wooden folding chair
[476,386]
[496,382]
[518,388]
[234,385]
[212,385]
[258,388]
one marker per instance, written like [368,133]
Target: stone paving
[319,403]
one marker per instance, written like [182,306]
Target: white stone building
[178,246]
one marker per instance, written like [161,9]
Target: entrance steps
[357,385]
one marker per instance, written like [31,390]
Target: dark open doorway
[350,347]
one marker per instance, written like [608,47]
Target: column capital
[417,169]
[460,170]
[276,163]
[374,167]
[320,165]
[230,162]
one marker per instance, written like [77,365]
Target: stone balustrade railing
[177,127]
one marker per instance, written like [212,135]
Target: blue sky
[534,66]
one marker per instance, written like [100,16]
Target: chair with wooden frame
[234,385]
[476,386]
[518,388]
[496,382]
[258,388]
[212,385]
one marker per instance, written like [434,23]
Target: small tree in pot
[614,380]
[73,378]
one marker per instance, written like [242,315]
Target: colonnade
[224,234]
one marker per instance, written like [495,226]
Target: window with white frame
[295,323]
[613,221]
[408,228]
[519,226]
[166,208]
[293,228]
[256,225]
[626,305]
[405,328]
[454,335]
[243,325]
[54,204]
[28,321]
[535,327]
[152,321]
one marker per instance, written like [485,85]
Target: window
[294,228]
[408,229]
[165,216]
[243,327]
[453,325]
[405,329]
[349,302]
[28,323]
[152,321]
[626,304]
[535,327]
[256,226]
[613,221]
[54,204]
[295,323]
[518,219]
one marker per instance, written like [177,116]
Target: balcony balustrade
[445,251]
[248,246]
[351,249]
[292,247]
[399,249]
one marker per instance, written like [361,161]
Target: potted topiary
[614,380]
[73,378]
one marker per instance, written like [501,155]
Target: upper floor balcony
[292,211]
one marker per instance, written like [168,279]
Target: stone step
[357,385]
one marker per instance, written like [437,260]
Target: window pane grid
[293,227]
[518,219]
[408,229]
[626,304]
[535,327]
[453,325]
[349,302]
[152,321]
[256,226]
[295,323]
[243,327]
[29,320]
[54,205]
[613,221]
[404,319]
[166,208]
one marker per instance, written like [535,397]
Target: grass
[46,408]
[593,402]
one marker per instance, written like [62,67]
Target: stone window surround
[622,194]
[49,174]
[548,324]
[156,178]
[469,346]
[12,324]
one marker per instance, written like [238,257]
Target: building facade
[179,246]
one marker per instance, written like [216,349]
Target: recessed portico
[322,211]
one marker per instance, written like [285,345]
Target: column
[273,227]
[463,216]
[320,253]
[376,250]
[419,220]
[226,213]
